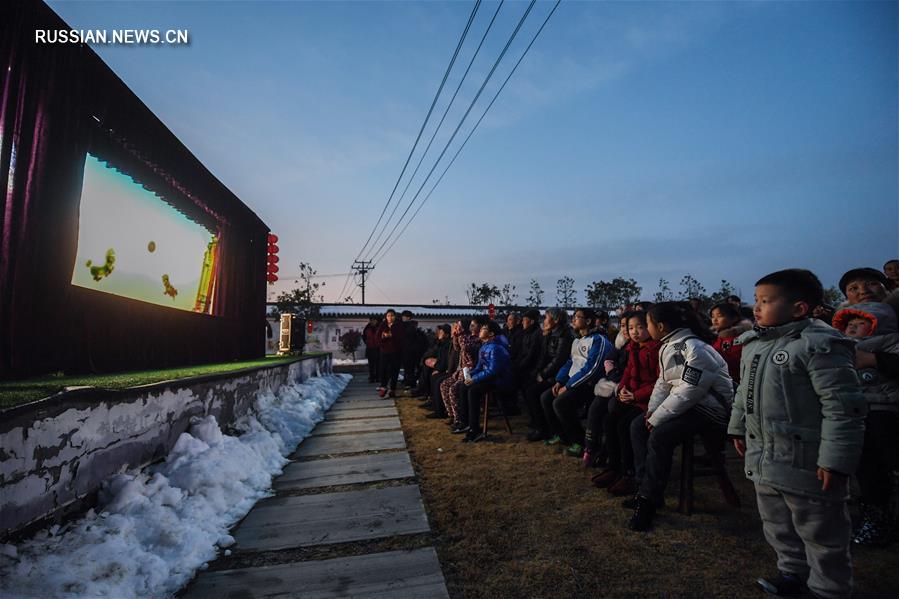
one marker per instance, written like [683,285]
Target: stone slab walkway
[388,575]
[305,514]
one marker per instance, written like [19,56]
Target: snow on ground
[342,362]
[157,526]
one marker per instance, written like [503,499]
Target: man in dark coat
[557,339]
[415,344]
[370,335]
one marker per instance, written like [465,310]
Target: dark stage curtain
[42,148]
[58,102]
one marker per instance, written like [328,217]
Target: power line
[417,138]
[459,126]
[456,155]
[437,129]
[474,11]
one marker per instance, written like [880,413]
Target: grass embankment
[516,519]
[13,393]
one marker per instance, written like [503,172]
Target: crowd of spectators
[807,393]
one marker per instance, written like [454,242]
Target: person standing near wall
[372,353]
[390,344]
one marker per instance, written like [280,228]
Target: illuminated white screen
[158,254]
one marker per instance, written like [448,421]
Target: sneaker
[644,512]
[460,428]
[784,585]
[875,528]
[575,450]
[474,437]
[382,391]
[554,440]
[625,485]
[535,436]
[606,478]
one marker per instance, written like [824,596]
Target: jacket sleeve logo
[691,375]
[780,358]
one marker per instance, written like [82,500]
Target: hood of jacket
[881,314]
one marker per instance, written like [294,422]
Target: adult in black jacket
[513,331]
[433,361]
[530,349]
[557,339]
[413,348]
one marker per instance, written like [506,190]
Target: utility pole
[362,268]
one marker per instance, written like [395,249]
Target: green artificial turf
[13,393]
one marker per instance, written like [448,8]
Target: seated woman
[467,343]
[493,373]
[634,390]
[693,394]
[574,383]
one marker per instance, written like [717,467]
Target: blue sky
[643,140]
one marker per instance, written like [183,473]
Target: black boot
[784,585]
[644,512]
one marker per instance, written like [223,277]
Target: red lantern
[272,268]
[272,238]
[309,326]
[273,259]
[272,248]
[272,277]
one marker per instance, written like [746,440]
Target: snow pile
[161,524]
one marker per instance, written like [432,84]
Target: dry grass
[516,519]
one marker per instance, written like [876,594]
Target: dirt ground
[518,519]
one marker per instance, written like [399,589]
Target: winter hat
[866,274]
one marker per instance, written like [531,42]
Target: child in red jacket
[728,323]
[631,402]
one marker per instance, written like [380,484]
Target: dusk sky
[643,140]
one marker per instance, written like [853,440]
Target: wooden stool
[488,397]
[689,471]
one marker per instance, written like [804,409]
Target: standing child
[728,323]
[798,420]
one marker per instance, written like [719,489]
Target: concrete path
[350,481]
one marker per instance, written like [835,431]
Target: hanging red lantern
[272,238]
[272,248]
[272,277]
[272,268]
[273,259]
[309,326]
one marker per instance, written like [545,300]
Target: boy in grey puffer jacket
[798,419]
[873,324]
